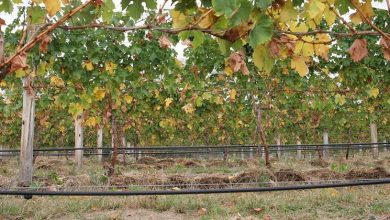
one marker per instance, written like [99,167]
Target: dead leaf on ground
[258,210]
[202,211]
[358,50]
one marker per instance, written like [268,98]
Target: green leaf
[242,14]
[206,3]
[198,37]
[224,45]
[124,4]
[342,6]
[262,31]
[6,6]
[37,14]
[263,3]
[151,4]
[107,10]
[225,7]
[135,10]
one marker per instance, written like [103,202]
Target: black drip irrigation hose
[29,193]
[223,148]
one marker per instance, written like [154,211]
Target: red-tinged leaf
[385,43]
[45,44]
[164,42]
[2,22]
[237,63]
[274,48]
[358,50]
[149,35]
[267,217]
[20,61]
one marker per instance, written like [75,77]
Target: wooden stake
[299,150]
[26,148]
[374,139]
[79,136]
[28,116]
[325,141]
[279,152]
[100,143]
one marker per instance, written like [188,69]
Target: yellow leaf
[189,108]
[99,93]
[179,20]
[288,12]
[168,102]
[298,63]
[218,100]
[263,59]
[75,109]
[233,94]
[57,81]
[19,73]
[52,6]
[228,71]
[315,7]
[128,99]
[373,92]
[339,99]
[3,84]
[307,49]
[365,8]
[88,65]
[110,67]
[122,86]
[91,122]
[207,19]
[330,16]
[179,63]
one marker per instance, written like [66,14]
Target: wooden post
[279,150]
[100,143]
[374,139]
[26,148]
[325,141]
[79,136]
[299,150]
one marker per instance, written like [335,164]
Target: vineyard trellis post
[79,136]
[28,116]
[299,150]
[374,139]
[279,149]
[100,143]
[325,152]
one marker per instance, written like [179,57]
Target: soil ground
[346,203]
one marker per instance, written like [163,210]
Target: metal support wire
[29,193]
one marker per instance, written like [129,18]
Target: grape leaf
[262,32]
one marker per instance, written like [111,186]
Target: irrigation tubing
[145,152]
[29,193]
[224,147]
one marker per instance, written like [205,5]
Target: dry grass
[346,203]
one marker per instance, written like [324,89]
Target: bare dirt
[130,214]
